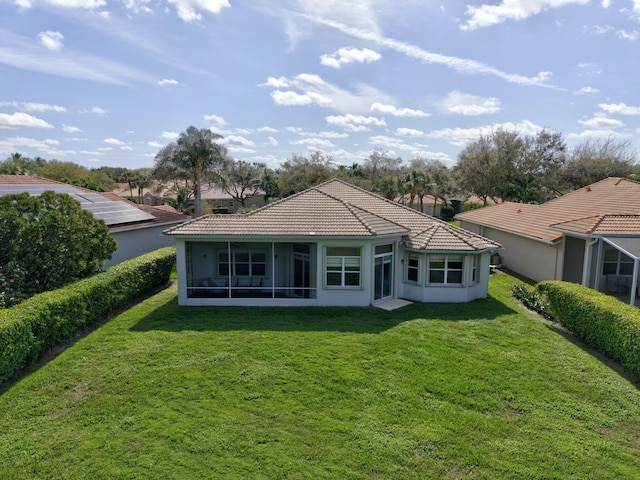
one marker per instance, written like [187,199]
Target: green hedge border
[605,323]
[48,319]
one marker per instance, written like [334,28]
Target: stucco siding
[133,243]
[534,259]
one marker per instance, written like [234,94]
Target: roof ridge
[352,207]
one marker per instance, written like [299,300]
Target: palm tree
[194,153]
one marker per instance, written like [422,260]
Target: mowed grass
[480,390]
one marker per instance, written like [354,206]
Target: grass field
[479,390]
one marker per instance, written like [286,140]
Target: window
[474,269]
[245,263]
[446,269]
[413,265]
[342,267]
[616,263]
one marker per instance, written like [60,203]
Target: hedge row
[601,321]
[48,319]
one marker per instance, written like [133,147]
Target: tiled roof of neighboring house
[338,209]
[603,225]
[577,211]
[147,215]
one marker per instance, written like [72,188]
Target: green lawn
[479,390]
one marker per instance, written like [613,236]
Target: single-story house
[333,244]
[214,199]
[590,236]
[137,228]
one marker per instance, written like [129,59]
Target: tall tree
[240,179]
[299,173]
[595,160]
[377,167]
[191,157]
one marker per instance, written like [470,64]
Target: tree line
[504,165]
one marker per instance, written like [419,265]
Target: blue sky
[106,83]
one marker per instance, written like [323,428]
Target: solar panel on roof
[112,212]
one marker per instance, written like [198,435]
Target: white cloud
[18,144]
[214,120]
[324,134]
[290,98]
[355,123]
[409,132]
[114,141]
[127,148]
[51,40]
[469,105]
[461,136]
[70,129]
[237,141]
[279,82]
[155,144]
[460,65]
[389,142]
[487,15]
[348,55]
[188,10]
[314,142]
[397,112]
[34,107]
[70,4]
[586,91]
[22,120]
[604,133]
[619,109]
[167,81]
[95,110]
[138,6]
[170,135]
[271,142]
[625,35]
[600,121]
[268,130]
[308,89]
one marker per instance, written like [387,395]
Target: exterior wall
[446,293]
[534,259]
[133,243]
[362,296]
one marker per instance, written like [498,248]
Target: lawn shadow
[173,318]
[601,357]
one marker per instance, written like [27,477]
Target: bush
[530,299]
[47,319]
[447,213]
[601,321]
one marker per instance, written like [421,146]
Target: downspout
[273,270]
[587,261]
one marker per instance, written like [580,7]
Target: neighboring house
[590,236]
[137,228]
[334,244]
[213,199]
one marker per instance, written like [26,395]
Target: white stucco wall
[534,259]
[133,243]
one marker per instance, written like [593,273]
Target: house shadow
[173,318]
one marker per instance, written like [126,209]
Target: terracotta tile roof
[161,215]
[338,209]
[603,225]
[611,196]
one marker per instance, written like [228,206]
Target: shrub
[447,213]
[530,299]
[47,319]
[601,321]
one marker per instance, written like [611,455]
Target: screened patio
[251,270]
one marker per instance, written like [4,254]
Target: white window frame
[447,260]
[412,256]
[343,265]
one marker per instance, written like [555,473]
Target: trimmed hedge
[601,321]
[48,319]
